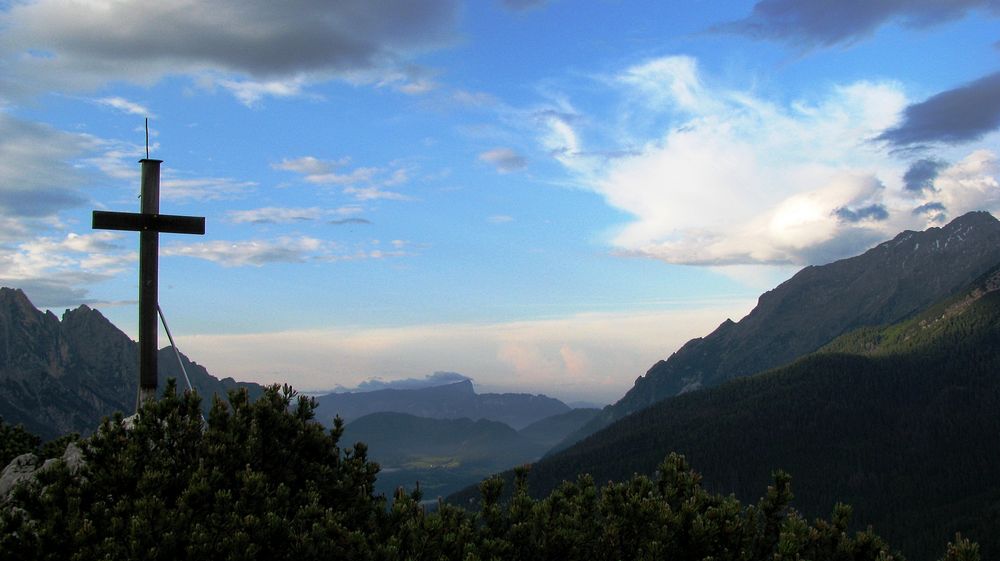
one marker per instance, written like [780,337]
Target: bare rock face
[62,376]
[25,469]
[21,469]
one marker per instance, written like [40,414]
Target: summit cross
[149,223]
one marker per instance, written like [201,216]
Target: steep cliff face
[888,283]
[65,376]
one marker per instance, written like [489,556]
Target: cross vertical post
[149,247]
[149,223]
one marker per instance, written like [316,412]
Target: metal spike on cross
[149,223]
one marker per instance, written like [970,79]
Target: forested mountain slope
[886,284]
[901,422]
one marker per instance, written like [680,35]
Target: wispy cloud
[521,5]
[362,183]
[125,106]
[205,188]
[290,215]
[505,159]
[274,215]
[284,249]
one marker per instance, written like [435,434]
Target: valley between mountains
[873,381]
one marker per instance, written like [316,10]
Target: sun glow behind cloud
[740,179]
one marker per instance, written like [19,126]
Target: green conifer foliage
[262,480]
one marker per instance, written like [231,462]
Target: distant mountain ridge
[886,284]
[450,401]
[60,376]
[445,455]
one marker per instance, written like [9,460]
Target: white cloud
[373,193]
[736,179]
[284,249]
[274,215]
[250,252]
[591,356]
[669,80]
[252,92]
[125,106]
[500,219]
[52,271]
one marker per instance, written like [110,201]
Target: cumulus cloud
[248,46]
[505,160]
[825,23]
[962,114]
[54,270]
[729,178]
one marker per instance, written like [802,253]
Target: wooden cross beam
[149,223]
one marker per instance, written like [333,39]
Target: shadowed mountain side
[64,376]
[397,439]
[552,430]
[886,284]
[450,401]
[900,422]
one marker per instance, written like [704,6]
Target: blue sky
[545,196]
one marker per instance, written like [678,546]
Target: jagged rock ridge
[60,376]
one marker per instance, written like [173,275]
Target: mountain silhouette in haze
[450,401]
[886,284]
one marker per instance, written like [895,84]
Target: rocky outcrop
[25,469]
